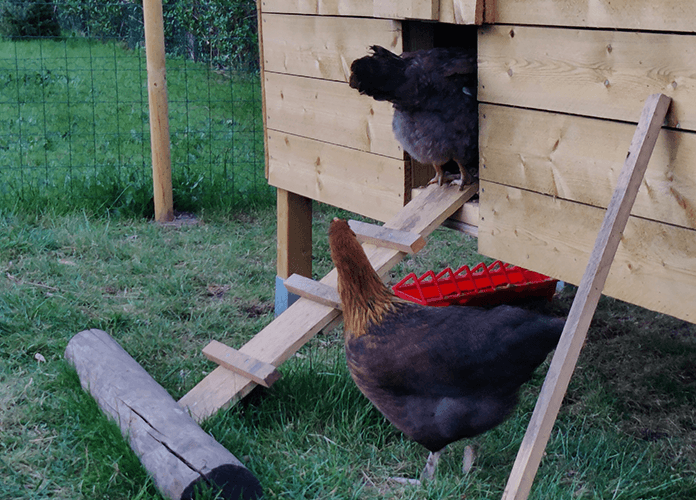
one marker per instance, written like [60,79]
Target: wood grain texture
[606,74]
[368,184]
[262,373]
[301,321]
[176,452]
[389,9]
[330,112]
[579,159]
[585,303]
[670,15]
[294,234]
[402,241]
[159,111]
[322,46]
[462,11]
[655,265]
[314,290]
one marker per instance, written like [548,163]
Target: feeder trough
[497,283]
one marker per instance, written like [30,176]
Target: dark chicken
[439,374]
[434,97]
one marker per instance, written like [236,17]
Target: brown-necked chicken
[434,97]
[439,374]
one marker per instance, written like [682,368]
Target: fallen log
[177,453]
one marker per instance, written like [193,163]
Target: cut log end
[232,481]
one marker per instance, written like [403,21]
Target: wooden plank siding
[579,159]
[389,9]
[321,46]
[329,112]
[368,184]
[558,110]
[606,74]
[325,141]
[657,15]
[655,265]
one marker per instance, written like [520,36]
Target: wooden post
[294,243]
[159,111]
[583,308]
[178,454]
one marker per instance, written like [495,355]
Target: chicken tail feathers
[379,74]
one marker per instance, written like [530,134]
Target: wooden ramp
[240,371]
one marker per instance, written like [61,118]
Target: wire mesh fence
[74,129]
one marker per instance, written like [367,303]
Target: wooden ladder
[255,362]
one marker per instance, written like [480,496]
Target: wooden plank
[262,373]
[462,11]
[403,241]
[321,46]
[294,231]
[466,219]
[178,454]
[314,291]
[292,329]
[576,158]
[407,9]
[655,266]
[623,14]
[331,112]
[389,9]
[581,312]
[606,74]
[364,183]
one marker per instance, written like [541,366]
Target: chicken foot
[441,177]
[431,465]
[461,179]
[465,177]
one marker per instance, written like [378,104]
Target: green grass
[74,130]
[627,429]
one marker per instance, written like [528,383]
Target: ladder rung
[262,373]
[403,241]
[313,290]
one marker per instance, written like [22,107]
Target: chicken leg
[431,465]
[441,177]
[464,177]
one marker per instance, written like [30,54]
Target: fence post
[159,110]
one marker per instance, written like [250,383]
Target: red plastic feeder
[498,283]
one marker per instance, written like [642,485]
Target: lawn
[627,429]
[74,130]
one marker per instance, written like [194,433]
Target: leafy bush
[219,32]
[28,19]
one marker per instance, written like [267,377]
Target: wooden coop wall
[561,87]
[325,141]
[559,103]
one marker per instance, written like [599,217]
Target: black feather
[434,97]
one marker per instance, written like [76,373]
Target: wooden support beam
[292,329]
[294,234]
[294,243]
[262,373]
[403,241]
[590,289]
[314,290]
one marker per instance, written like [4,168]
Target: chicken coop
[561,84]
